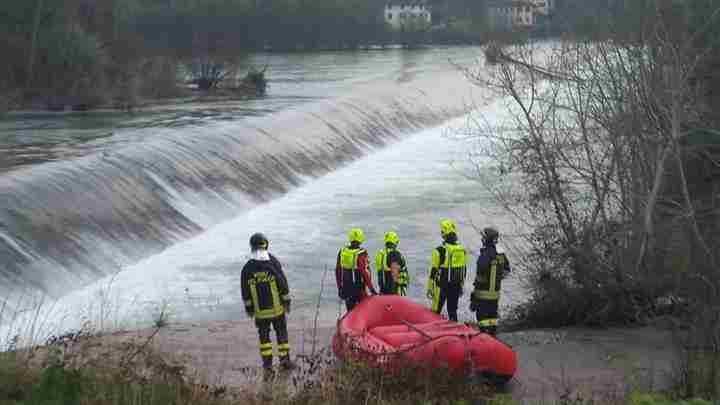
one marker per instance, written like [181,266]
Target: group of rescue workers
[266,292]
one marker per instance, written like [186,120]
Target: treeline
[613,165]
[104,51]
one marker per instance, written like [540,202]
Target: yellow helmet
[447,227]
[392,237]
[356,235]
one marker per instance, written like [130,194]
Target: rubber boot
[268,372]
[286,363]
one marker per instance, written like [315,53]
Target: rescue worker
[352,271]
[447,272]
[390,266]
[267,299]
[492,267]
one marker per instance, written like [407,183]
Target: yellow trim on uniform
[277,308]
[266,349]
[435,307]
[488,322]
[486,295]
[433,287]
[283,348]
[492,292]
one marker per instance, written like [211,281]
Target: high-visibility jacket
[264,288]
[386,283]
[448,266]
[492,267]
[351,272]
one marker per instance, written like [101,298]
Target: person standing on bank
[352,271]
[492,267]
[448,270]
[266,294]
[390,266]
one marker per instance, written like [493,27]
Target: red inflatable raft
[384,329]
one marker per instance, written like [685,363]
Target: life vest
[352,280]
[453,264]
[387,282]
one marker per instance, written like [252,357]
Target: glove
[286,305]
[473,306]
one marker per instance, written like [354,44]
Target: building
[408,14]
[514,14]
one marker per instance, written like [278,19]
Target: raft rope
[430,339]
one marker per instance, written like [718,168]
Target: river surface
[114,218]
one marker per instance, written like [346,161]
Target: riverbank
[554,364]
[143,105]
[50,104]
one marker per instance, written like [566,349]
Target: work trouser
[388,289]
[487,315]
[451,294]
[351,302]
[278,323]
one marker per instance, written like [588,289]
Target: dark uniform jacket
[486,280]
[264,288]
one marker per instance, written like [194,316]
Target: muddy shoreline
[553,364]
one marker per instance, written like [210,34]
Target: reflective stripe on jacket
[264,288]
[491,269]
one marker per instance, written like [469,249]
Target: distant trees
[95,51]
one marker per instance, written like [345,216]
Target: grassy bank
[121,384]
[104,369]
[83,370]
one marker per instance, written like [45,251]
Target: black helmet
[490,235]
[258,241]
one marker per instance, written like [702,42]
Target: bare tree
[594,144]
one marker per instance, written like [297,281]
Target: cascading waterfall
[67,223]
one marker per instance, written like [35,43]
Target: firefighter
[352,271]
[492,267]
[447,272]
[267,299]
[390,266]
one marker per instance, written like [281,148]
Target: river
[113,218]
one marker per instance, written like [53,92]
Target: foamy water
[407,187]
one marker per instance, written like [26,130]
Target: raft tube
[393,331]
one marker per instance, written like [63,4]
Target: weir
[65,224]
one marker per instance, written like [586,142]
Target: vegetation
[80,369]
[77,369]
[86,53]
[611,163]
